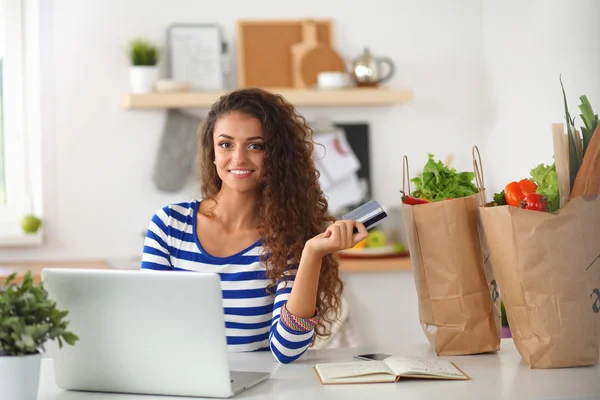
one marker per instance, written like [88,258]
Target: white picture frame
[195,54]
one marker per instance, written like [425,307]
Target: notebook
[390,370]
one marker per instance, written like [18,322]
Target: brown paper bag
[540,260]
[456,310]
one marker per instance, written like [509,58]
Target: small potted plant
[28,319]
[143,72]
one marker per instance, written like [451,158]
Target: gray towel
[177,151]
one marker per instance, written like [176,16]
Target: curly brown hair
[293,208]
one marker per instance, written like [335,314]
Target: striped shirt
[251,312]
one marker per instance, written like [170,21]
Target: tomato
[515,192]
[534,201]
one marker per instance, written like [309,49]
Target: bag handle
[405,176]
[478,169]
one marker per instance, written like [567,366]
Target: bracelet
[297,323]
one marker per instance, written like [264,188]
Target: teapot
[367,69]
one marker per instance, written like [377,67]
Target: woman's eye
[225,145]
[256,146]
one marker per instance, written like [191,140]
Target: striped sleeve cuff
[287,345]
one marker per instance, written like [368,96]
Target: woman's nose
[239,154]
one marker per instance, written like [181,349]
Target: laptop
[144,332]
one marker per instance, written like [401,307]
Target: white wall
[483,73]
[98,158]
[527,45]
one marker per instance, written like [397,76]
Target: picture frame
[195,53]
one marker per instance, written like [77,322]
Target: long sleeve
[156,254]
[286,344]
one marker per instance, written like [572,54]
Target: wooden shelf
[301,97]
[375,264]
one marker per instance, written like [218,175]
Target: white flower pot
[19,376]
[142,78]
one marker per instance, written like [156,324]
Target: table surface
[501,375]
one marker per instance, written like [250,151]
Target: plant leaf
[587,114]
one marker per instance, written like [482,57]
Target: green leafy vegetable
[439,182]
[547,180]
[499,199]
[590,120]
[575,153]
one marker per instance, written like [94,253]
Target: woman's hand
[338,236]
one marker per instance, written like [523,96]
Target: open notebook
[389,370]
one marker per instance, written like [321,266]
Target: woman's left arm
[338,236]
[294,314]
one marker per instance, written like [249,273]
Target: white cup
[332,80]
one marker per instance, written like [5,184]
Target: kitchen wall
[98,158]
[526,46]
[483,73]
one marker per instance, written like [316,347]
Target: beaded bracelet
[296,323]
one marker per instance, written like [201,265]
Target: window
[19,117]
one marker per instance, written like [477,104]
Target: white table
[503,375]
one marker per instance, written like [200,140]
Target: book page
[350,369]
[418,366]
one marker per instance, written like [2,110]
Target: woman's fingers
[335,234]
[362,232]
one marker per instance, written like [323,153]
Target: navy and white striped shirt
[251,312]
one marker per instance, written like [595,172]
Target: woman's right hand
[338,236]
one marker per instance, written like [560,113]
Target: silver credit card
[370,214]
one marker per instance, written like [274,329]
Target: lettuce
[547,180]
[438,182]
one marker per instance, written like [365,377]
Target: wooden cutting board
[263,50]
[310,57]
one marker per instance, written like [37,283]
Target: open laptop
[144,332]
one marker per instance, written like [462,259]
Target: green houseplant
[28,320]
[143,72]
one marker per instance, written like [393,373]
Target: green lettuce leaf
[547,180]
[438,182]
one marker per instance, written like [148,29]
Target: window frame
[19,42]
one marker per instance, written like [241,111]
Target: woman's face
[239,151]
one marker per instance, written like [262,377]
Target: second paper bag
[548,267]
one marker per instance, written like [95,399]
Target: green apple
[376,239]
[398,247]
[30,224]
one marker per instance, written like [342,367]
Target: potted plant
[28,319]
[143,72]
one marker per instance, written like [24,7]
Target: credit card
[370,214]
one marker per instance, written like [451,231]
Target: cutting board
[309,57]
[264,57]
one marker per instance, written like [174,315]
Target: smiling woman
[262,224]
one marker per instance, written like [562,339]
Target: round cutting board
[320,58]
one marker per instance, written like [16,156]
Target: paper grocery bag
[548,270]
[456,309]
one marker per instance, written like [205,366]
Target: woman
[262,224]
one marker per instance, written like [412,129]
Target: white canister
[19,376]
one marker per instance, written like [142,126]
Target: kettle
[367,69]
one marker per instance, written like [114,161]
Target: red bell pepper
[515,192]
[534,201]
[413,200]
